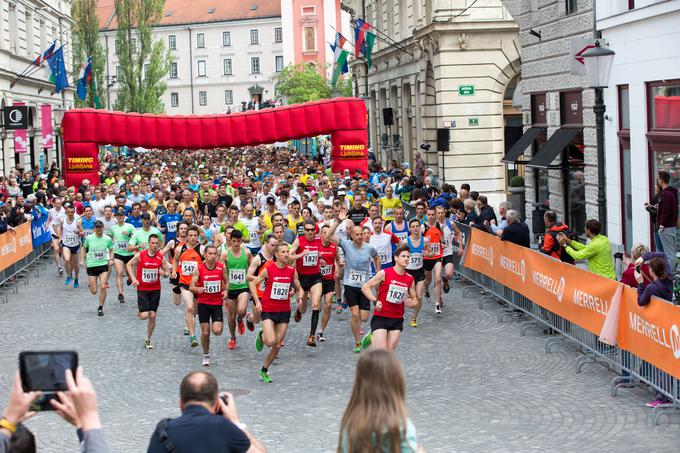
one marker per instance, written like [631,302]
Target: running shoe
[655,403]
[121,299]
[129,281]
[68,280]
[259,344]
[320,337]
[427,294]
[249,324]
[366,340]
[338,311]
[413,323]
[193,341]
[206,360]
[186,331]
[60,271]
[147,344]
[232,343]
[265,377]
[437,310]
[241,327]
[75,283]
[100,311]
[311,342]
[357,348]
[298,316]
[446,286]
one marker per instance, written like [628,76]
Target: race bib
[396,294]
[402,236]
[149,275]
[384,258]
[71,240]
[356,276]
[121,246]
[237,276]
[389,212]
[98,255]
[326,270]
[435,248]
[172,226]
[416,260]
[88,232]
[280,291]
[254,239]
[212,287]
[188,267]
[311,259]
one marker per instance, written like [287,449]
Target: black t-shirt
[211,210]
[26,187]
[226,200]
[357,215]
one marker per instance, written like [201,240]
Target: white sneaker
[437,310]
[206,360]
[147,344]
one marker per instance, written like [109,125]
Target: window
[133,45]
[254,65]
[625,167]
[146,71]
[174,99]
[202,98]
[571,6]
[119,73]
[308,10]
[228,97]
[200,40]
[227,66]
[172,42]
[254,37]
[631,4]
[278,34]
[201,68]
[309,34]
[173,70]
[279,63]
[226,38]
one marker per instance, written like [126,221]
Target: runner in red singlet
[329,256]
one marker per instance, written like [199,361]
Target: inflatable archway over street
[343,118]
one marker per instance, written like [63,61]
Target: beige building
[454,65]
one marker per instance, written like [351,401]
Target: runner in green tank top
[121,233]
[97,253]
[140,239]
[236,259]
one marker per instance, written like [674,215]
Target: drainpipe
[191,68]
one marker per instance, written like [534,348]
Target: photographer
[209,422]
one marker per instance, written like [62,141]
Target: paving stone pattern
[473,384]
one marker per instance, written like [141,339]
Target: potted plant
[516,185]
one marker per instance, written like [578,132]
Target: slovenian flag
[45,55]
[85,80]
[361,26]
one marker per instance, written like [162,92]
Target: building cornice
[211,24]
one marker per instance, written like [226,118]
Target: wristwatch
[9,426]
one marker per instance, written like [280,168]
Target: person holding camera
[209,422]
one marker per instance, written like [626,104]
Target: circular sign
[15,116]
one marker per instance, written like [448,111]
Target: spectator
[26,184]
[486,212]
[13,190]
[207,423]
[597,253]
[376,419]
[651,208]
[667,216]
[516,231]
[628,275]
[470,213]
[551,245]
[503,208]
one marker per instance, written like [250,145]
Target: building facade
[225,53]
[643,110]
[309,26]
[27,28]
[450,66]
[557,152]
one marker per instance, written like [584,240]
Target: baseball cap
[271,200]
[99,224]
[120,212]
[146,216]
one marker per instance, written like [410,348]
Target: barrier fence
[598,314]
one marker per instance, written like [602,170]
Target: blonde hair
[376,415]
[638,251]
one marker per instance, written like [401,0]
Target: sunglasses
[310,229]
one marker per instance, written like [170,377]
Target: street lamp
[598,61]
[58,114]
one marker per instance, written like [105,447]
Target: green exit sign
[466,90]
[473,121]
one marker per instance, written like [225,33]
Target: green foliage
[86,43]
[139,90]
[516,181]
[302,83]
[345,86]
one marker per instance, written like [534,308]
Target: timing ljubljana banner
[343,118]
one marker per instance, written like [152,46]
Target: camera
[46,371]
[225,400]
[637,269]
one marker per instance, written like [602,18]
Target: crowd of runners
[254,232]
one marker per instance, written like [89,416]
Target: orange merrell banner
[14,246]
[651,332]
[572,293]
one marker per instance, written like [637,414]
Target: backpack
[564,256]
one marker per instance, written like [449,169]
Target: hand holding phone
[46,371]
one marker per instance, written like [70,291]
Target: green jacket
[597,253]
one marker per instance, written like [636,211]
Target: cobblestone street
[473,384]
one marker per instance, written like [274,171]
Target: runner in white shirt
[71,231]
[448,231]
[382,241]
[108,220]
[255,227]
[56,214]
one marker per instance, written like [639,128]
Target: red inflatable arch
[343,118]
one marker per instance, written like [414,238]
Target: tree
[86,44]
[302,83]
[140,88]
[345,86]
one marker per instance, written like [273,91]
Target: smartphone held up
[46,371]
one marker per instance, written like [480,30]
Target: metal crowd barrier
[19,270]
[632,371]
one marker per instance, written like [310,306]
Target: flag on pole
[359,38]
[58,67]
[85,79]
[368,47]
[45,55]
[340,63]
[337,50]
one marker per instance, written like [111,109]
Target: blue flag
[58,68]
[85,80]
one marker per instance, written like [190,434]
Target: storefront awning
[521,145]
[553,147]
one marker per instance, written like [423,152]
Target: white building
[27,28]
[642,131]
[225,53]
